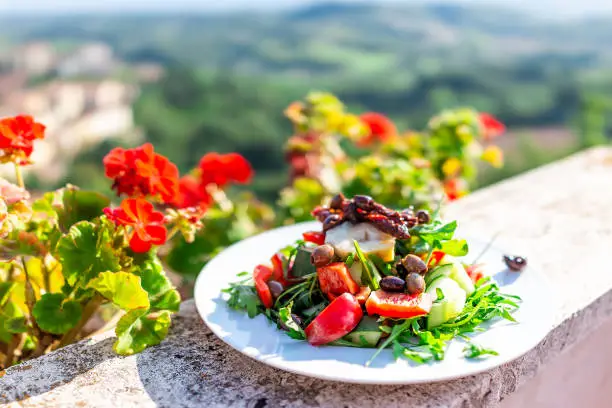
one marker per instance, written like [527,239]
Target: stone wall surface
[559,216]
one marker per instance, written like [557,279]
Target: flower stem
[220,197]
[90,308]
[19,176]
[172,232]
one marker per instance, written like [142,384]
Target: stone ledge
[558,215]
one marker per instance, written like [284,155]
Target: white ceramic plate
[259,339]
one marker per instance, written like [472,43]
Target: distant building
[78,116]
[94,59]
[35,58]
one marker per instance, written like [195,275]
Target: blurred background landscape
[197,77]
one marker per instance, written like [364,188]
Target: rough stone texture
[559,215]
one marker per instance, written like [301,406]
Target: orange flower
[380,128]
[17,136]
[222,169]
[491,127]
[142,172]
[147,224]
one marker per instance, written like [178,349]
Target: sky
[563,8]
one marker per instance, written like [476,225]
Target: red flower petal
[380,128]
[221,169]
[492,127]
[17,136]
[142,172]
[138,245]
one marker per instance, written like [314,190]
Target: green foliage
[85,252]
[121,288]
[138,330]
[56,314]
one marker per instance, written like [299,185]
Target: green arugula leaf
[293,329]
[55,314]
[382,266]
[368,276]
[136,331]
[439,294]
[85,252]
[244,298]
[454,247]
[419,357]
[473,350]
[121,288]
[435,231]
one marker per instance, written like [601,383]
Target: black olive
[276,288]
[515,263]
[392,284]
[337,201]
[414,264]
[423,217]
[415,284]
[364,202]
[331,221]
[322,255]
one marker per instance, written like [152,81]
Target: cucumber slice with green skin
[442,271]
[301,264]
[459,275]
[366,334]
[448,308]
[356,270]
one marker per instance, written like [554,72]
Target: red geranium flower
[17,135]
[147,223]
[492,127]
[380,128]
[222,169]
[142,172]
[192,194]
[455,188]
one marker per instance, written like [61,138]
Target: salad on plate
[373,277]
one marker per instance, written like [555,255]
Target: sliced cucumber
[449,307]
[459,275]
[356,270]
[366,334]
[437,272]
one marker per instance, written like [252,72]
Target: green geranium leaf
[85,252]
[137,331]
[121,288]
[15,325]
[5,292]
[81,205]
[169,300]
[162,294]
[55,314]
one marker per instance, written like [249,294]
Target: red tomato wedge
[278,268]
[338,319]
[261,275]
[436,257]
[335,279]
[475,272]
[363,294]
[398,305]
[315,237]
